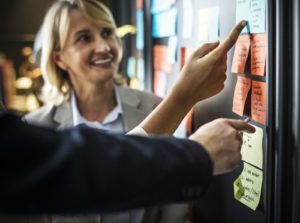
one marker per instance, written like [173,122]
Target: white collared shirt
[112,122]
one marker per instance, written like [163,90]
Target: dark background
[20,20]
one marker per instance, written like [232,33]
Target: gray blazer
[136,106]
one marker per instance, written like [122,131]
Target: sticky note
[239,190]
[241,53]
[140,30]
[164,23]
[187,23]
[139,4]
[160,83]
[159,5]
[214,23]
[258,102]
[185,53]
[258,16]
[252,148]
[187,4]
[258,54]
[131,62]
[209,23]
[172,44]
[141,69]
[241,91]
[203,24]
[160,58]
[247,187]
[243,13]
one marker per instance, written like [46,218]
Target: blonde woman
[80,59]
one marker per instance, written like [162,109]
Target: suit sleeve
[83,170]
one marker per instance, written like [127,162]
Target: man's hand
[205,72]
[222,138]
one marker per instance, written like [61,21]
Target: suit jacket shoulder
[137,105]
[52,116]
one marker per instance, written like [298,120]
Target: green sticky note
[247,187]
[252,148]
[214,23]
[238,189]
[243,13]
[131,67]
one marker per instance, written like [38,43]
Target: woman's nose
[101,45]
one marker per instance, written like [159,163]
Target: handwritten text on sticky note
[252,148]
[247,187]
[258,102]
[258,16]
[258,54]
[241,91]
[241,53]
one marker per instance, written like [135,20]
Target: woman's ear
[56,56]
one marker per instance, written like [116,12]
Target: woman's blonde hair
[54,34]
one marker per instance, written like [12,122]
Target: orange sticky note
[160,58]
[258,54]
[241,91]
[258,102]
[185,53]
[139,4]
[241,53]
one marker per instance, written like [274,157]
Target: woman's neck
[95,102]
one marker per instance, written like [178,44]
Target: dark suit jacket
[84,170]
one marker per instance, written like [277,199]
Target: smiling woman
[81,54]
[74,34]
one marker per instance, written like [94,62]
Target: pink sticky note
[160,58]
[185,53]
[258,54]
[258,102]
[241,91]
[241,53]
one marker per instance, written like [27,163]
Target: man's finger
[205,49]
[241,125]
[230,40]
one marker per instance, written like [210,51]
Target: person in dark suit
[44,171]
[73,171]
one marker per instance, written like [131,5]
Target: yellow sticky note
[247,187]
[252,148]
[203,24]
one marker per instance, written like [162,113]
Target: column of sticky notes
[250,97]
[164,29]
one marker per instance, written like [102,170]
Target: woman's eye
[106,32]
[83,38]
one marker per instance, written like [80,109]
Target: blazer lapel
[63,116]
[132,114]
